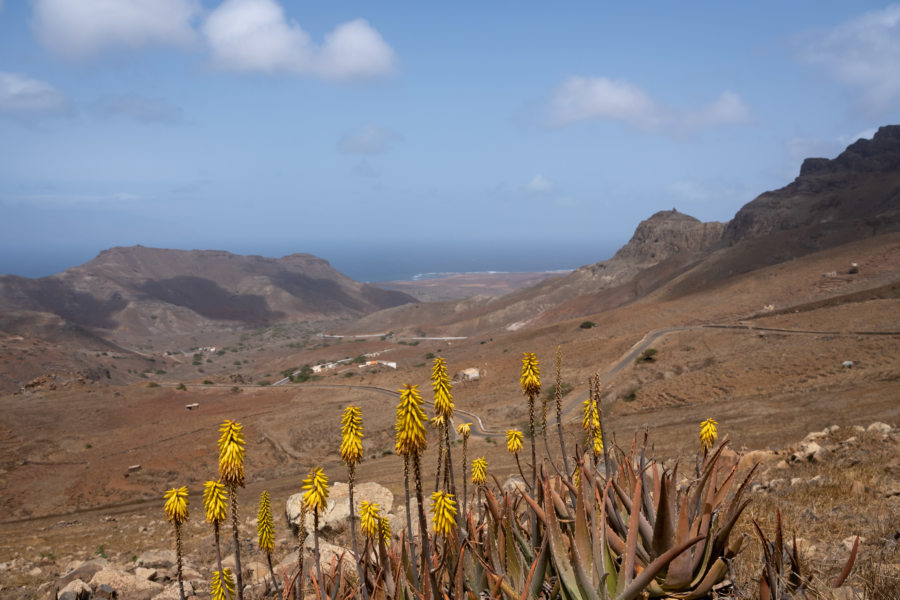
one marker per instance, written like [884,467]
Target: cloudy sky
[374,133]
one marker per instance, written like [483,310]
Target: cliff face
[856,194]
[666,234]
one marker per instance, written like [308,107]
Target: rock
[173,592]
[879,427]
[850,441]
[809,451]
[515,484]
[775,484]
[145,573]
[83,570]
[35,572]
[815,435]
[105,591]
[804,549]
[831,430]
[818,481]
[156,559]
[795,481]
[78,589]
[858,429]
[847,543]
[336,516]
[125,584]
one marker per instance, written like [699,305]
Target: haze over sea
[381,261]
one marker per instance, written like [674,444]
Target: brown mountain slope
[141,290]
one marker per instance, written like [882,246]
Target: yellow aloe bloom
[514,440]
[385,529]
[265,528]
[576,478]
[479,471]
[597,439]
[315,495]
[443,507]
[440,383]
[410,424]
[531,375]
[370,519]
[215,501]
[436,422]
[351,435]
[221,586]
[590,420]
[231,453]
[464,430]
[708,434]
[176,507]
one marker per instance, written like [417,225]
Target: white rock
[847,543]
[336,516]
[35,572]
[145,573]
[795,481]
[79,587]
[809,451]
[125,584]
[156,559]
[857,429]
[832,429]
[879,427]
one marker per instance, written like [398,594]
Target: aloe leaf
[664,528]
[582,538]
[558,549]
[581,576]
[634,589]
[632,538]
[679,573]
[538,572]
[716,573]
[845,572]
[644,529]
[514,567]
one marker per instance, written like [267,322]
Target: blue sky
[460,135]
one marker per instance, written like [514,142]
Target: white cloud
[23,97]
[139,108]
[582,98]
[368,139]
[80,28]
[256,36]
[541,185]
[863,53]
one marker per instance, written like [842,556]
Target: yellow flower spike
[464,430]
[531,375]
[708,434]
[440,383]
[436,422]
[443,507]
[598,442]
[479,471]
[590,420]
[176,506]
[370,519]
[221,586]
[351,435]
[231,453]
[315,496]
[265,528]
[410,424]
[514,440]
[215,501]
[385,529]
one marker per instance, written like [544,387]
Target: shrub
[648,355]
[152,384]
[181,387]
[587,324]
[208,382]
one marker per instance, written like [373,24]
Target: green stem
[423,532]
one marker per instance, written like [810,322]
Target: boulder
[125,584]
[173,592]
[156,559]
[77,589]
[106,592]
[84,571]
[879,427]
[748,459]
[809,452]
[336,516]
[145,573]
[515,484]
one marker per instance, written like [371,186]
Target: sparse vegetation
[648,355]
[181,387]
[587,325]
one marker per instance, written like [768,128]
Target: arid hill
[140,291]
[831,202]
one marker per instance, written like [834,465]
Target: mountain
[136,289]
[832,202]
